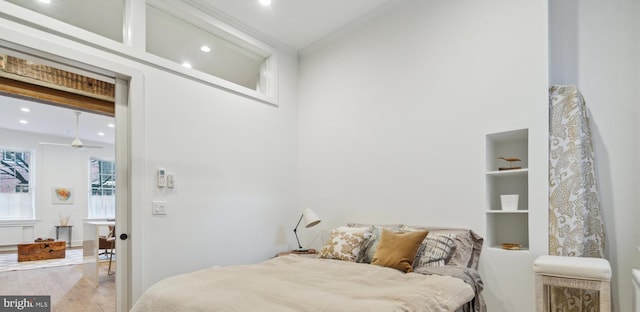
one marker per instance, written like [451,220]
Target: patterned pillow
[345,243]
[467,247]
[434,250]
[371,245]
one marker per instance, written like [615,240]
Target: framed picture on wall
[62,195]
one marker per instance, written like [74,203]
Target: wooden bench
[41,251]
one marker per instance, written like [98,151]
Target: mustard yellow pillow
[398,250]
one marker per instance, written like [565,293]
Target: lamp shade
[310,218]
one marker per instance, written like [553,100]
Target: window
[16,194]
[166,34]
[105,18]
[193,43]
[102,198]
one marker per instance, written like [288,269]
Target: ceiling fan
[76,143]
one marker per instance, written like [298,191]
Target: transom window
[174,32]
[105,18]
[16,196]
[183,42]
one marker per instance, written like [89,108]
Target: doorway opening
[67,116]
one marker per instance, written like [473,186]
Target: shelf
[507,226]
[495,248]
[513,143]
[510,183]
[523,171]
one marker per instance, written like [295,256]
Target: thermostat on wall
[162,181]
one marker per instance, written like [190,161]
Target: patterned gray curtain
[575,221]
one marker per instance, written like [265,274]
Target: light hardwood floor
[68,290]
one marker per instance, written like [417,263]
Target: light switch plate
[158,207]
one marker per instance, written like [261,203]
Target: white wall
[393,118]
[596,46]
[57,166]
[234,159]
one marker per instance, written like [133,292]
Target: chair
[103,245]
[572,272]
[108,244]
[112,240]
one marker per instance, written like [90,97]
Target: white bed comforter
[294,283]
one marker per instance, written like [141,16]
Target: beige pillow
[398,250]
[345,243]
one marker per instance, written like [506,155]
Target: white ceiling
[53,120]
[296,23]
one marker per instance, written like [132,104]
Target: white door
[123,201]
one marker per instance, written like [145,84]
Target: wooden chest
[41,251]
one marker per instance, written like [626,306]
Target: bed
[351,273]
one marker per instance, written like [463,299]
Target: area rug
[9,261]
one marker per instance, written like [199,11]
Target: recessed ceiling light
[25,109]
[205,48]
[24,122]
[111,125]
[265,2]
[101,133]
[45,1]
[186,64]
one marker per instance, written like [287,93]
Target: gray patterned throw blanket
[469,276]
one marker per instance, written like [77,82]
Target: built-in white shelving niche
[507,226]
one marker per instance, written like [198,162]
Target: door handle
[123,236]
